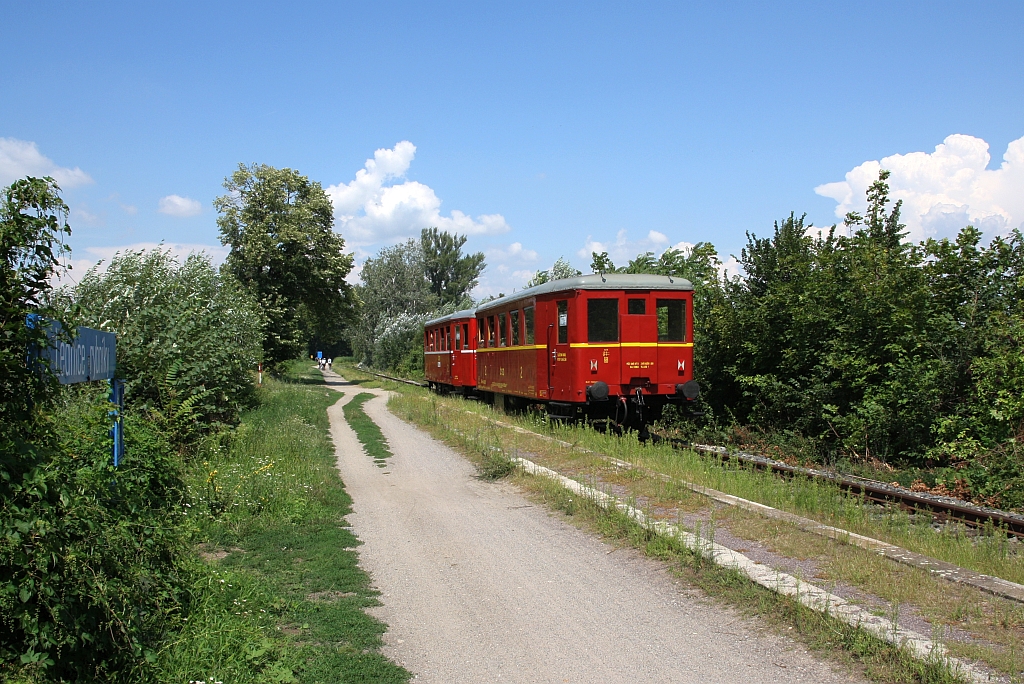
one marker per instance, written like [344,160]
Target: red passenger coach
[609,348]
[449,351]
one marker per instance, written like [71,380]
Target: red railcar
[449,351]
[602,347]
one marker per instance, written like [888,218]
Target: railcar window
[502,330]
[480,330]
[458,336]
[447,338]
[465,335]
[513,320]
[563,322]
[528,321]
[671,320]
[637,306]
[431,345]
[602,320]
[490,331]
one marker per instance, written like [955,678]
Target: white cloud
[375,208]
[513,253]
[181,207]
[944,190]
[83,215]
[101,256]
[20,158]
[508,268]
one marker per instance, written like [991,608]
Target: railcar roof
[465,313]
[595,281]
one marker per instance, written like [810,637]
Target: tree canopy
[280,227]
[451,274]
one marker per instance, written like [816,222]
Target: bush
[188,337]
[89,583]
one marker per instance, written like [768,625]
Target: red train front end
[610,348]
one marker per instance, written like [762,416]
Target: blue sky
[548,128]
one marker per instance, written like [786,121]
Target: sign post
[117,431]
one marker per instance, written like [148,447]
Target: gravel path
[478,585]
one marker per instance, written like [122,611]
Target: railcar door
[559,368]
[600,355]
[639,331]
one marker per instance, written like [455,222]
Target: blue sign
[91,355]
[319,355]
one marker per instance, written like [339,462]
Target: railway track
[941,508]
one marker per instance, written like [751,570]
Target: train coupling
[689,390]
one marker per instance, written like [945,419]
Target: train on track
[609,349]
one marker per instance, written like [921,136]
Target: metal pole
[117,431]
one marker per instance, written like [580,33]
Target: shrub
[89,584]
[188,337]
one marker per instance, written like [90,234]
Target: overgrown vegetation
[99,577]
[188,337]
[88,578]
[852,347]
[366,430]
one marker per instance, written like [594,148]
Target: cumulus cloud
[20,158]
[180,207]
[375,207]
[944,190]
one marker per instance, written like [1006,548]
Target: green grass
[366,430]
[280,597]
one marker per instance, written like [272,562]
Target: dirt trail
[478,585]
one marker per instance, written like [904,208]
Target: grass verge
[278,596]
[366,430]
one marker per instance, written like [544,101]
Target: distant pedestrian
[330,363]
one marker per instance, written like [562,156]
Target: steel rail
[941,508]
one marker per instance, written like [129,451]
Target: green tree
[601,263]
[393,284]
[280,227]
[451,274]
